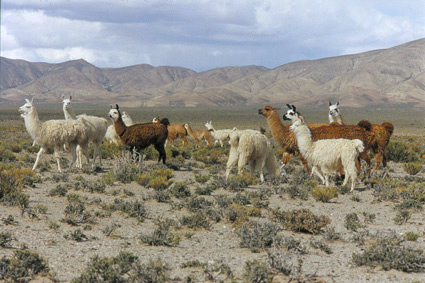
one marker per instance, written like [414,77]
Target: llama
[54,134]
[380,135]
[175,131]
[285,138]
[198,135]
[327,155]
[140,136]
[254,148]
[96,129]
[219,135]
[111,135]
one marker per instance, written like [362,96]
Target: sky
[203,34]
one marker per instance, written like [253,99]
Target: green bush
[412,168]
[257,234]
[352,222]
[180,190]
[23,266]
[389,253]
[162,236]
[399,151]
[324,194]
[256,271]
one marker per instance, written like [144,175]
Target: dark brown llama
[140,136]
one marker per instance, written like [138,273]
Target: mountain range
[379,78]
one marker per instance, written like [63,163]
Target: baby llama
[175,131]
[254,148]
[198,135]
[54,134]
[140,136]
[380,135]
[96,129]
[219,135]
[326,156]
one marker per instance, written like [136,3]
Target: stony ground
[220,243]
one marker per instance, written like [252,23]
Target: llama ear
[32,100]
[63,97]
[117,107]
[337,104]
[330,103]
[70,97]
[293,108]
[289,106]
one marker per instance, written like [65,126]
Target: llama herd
[327,148]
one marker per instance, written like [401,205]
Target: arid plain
[184,223]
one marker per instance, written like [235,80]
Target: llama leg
[85,150]
[40,152]
[73,149]
[318,174]
[185,141]
[305,163]
[243,159]
[378,159]
[99,153]
[233,159]
[161,150]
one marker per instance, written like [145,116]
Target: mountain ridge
[392,76]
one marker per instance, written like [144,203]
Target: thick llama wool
[220,136]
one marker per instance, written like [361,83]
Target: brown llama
[175,131]
[283,136]
[140,136]
[198,135]
[380,135]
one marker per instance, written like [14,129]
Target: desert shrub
[296,191]
[162,236]
[125,168]
[324,194]
[412,168]
[223,201]
[321,246]
[180,190]
[389,253]
[98,186]
[111,150]
[369,218]
[281,260]
[196,220]
[331,235]
[411,236]
[399,151]
[257,234]
[75,213]
[290,244]
[204,191]
[76,235]
[6,155]
[160,183]
[256,271]
[201,178]
[5,239]
[125,267]
[301,220]
[210,156]
[58,191]
[402,216]
[12,181]
[239,182]
[217,272]
[352,222]
[134,209]
[175,163]
[23,266]
[198,203]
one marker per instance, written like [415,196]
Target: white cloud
[203,34]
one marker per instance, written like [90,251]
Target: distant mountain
[379,78]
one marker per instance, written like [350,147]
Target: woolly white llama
[96,129]
[111,135]
[326,156]
[254,148]
[54,134]
[334,114]
[219,135]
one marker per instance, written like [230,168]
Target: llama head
[27,107]
[186,126]
[267,110]
[209,126]
[294,116]
[114,113]
[154,120]
[66,102]
[333,109]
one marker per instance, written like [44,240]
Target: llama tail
[389,127]
[358,145]
[366,125]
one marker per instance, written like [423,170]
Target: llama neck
[69,113]
[276,126]
[336,118]
[190,131]
[304,140]
[120,127]
[32,123]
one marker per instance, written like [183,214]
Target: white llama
[219,135]
[254,148]
[326,156]
[334,114]
[54,134]
[111,135]
[96,129]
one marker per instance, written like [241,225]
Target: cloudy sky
[203,34]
